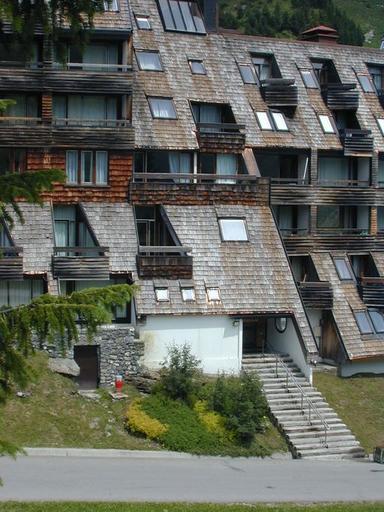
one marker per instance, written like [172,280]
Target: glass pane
[343,269]
[162,294]
[72,166]
[213,294]
[380,122]
[280,123]
[167,16]
[86,166]
[188,19]
[247,74]
[326,124]
[162,108]
[328,217]
[149,61]
[20,292]
[377,320]
[143,23]
[188,294]
[197,67]
[264,121]
[101,167]
[175,9]
[366,83]
[233,230]
[363,322]
[199,23]
[309,79]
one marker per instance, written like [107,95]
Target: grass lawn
[55,416]
[90,507]
[360,403]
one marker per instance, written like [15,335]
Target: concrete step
[352,452]
[271,379]
[308,430]
[289,405]
[342,440]
[282,393]
[272,384]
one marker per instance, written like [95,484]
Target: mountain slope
[369,14]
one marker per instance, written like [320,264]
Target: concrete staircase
[305,434]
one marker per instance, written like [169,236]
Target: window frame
[150,98]
[331,122]
[272,123]
[210,289]
[79,168]
[252,71]
[220,220]
[368,320]
[155,52]
[199,61]
[347,266]
[113,6]
[162,289]
[380,124]
[367,75]
[312,74]
[143,16]
[376,312]
[190,288]
[181,17]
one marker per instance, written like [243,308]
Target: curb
[134,454]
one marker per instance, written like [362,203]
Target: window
[366,83]
[380,122]
[309,79]
[111,5]
[12,160]
[162,108]
[343,269]
[363,322]
[377,320]
[326,124]
[263,67]
[162,294]
[197,67]
[272,121]
[143,22]
[213,294]
[87,167]
[181,16]
[377,76]
[247,74]
[225,165]
[15,293]
[86,110]
[188,294]
[149,61]
[233,230]
[25,105]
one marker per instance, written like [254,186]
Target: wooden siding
[342,242]
[165,266]
[316,295]
[280,93]
[120,172]
[341,96]
[317,194]
[11,263]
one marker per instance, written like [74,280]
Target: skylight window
[233,230]
[363,322]
[213,294]
[326,124]
[143,22]
[264,121]
[280,122]
[149,61]
[366,83]
[162,294]
[181,16]
[309,79]
[197,67]
[111,6]
[247,74]
[162,108]
[188,294]
[380,122]
[343,269]
[377,320]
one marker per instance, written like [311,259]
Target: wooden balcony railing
[168,262]
[91,123]
[343,183]
[5,120]
[357,142]
[81,263]
[341,96]
[190,179]
[342,230]
[229,137]
[316,295]
[290,181]
[11,263]
[279,92]
[371,290]
[92,66]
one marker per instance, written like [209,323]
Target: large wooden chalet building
[238,180]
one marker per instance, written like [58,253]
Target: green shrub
[241,402]
[212,420]
[179,375]
[138,421]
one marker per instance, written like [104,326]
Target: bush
[178,377]
[241,402]
[212,420]
[139,422]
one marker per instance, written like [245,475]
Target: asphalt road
[165,479]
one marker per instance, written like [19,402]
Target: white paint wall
[349,369]
[215,340]
[288,343]
[314,317]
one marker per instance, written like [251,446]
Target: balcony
[24,132]
[279,92]
[371,290]
[357,142]
[341,96]
[81,263]
[221,137]
[18,76]
[11,263]
[165,262]
[317,295]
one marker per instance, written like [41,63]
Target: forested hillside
[358,22]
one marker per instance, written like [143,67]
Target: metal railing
[91,123]
[308,405]
[189,178]
[92,66]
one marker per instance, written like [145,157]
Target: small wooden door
[87,358]
[254,336]
[329,346]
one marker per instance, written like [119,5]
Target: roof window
[309,78]
[213,294]
[363,322]
[327,124]
[181,16]
[380,122]
[143,22]
[162,108]
[343,269]
[272,121]
[377,320]
[149,60]
[188,294]
[111,5]
[247,74]
[233,230]
[162,294]
[197,67]
[366,82]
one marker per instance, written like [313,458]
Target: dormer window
[377,76]
[149,60]
[181,16]
[263,67]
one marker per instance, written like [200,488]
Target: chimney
[320,34]
[211,15]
